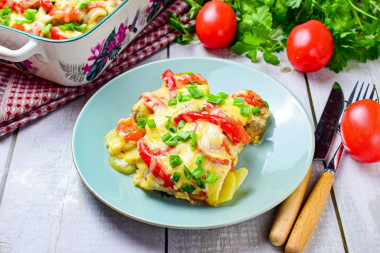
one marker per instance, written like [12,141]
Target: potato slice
[228,188]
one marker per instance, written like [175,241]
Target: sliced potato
[228,188]
[121,165]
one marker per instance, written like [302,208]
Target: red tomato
[47,5]
[18,26]
[216,24]
[128,129]
[310,46]
[360,130]
[57,34]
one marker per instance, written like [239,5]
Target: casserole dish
[79,60]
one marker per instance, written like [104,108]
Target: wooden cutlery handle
[310,213]
[287,213]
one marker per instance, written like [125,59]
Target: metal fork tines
[332,166]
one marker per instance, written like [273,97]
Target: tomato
[310,46]
[128,129]
[360,130]
[216,24]
[152,101]
[47,5]
[154,165]
[18,26]
[233,129]
[250,97]
[168,78]
[57,34]
[183,79]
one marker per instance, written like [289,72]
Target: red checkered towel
[24,98]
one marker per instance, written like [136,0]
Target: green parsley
[175,160]
[256,110]
[175,177]
[185,36]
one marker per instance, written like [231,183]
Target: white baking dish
[78,60]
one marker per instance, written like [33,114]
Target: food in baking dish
[55,19]
[184,141]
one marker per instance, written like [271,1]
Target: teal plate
[276,166]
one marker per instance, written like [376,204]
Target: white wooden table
[45,207]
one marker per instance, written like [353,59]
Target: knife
[324,133]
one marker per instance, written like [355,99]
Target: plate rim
[189,227]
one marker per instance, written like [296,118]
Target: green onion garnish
[256,110]
[211,178]
[201,183]
[5,22]
[194,91]
[73,26]
[30,14]
[187,172]
[179,96]
[185,98]
[18,21]
[141,122]
[194,139]
[181,123]
[175,177]
[173,130]
[172,142]
[172,102]
[238,101]
[166,137]
[175,160]
[84,4]
[215,99]
[46,29]
[197,172]
[265,103]
[222,95]
[6,13]
[200,159]
[188,73]
[168,123]
[188,188]
[151,123]
[245,110]
[183,136]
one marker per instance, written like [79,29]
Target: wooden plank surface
[252,236]
[357,185]
[47,208]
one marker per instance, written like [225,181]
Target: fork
[312,210]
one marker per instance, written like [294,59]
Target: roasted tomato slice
[57,34]
[154,164]
[128,129]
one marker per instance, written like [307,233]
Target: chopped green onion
[84,4]
[188,73]
[6,13]
[166,137]
[30,14]
[201,183]
[215,99]
[175,177]
[46,29]
[165,195]
[265,103]
[245,110]
[188,188]
[5,22]
[172,142]
[211,178]
[173,130]
[168,123]
[172,102]
[151,123]
[194,91]
[179,96]
[200,159]
[73,26]
[18,21]
[181,123]
[222,95]
[197,172]
[185,98]
[175,160]
[183,136]
[187,172]
[190,86]
[256,110]
[194,139]
[238,101]
[141,122]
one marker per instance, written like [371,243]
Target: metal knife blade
[329,122]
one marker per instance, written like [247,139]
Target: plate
[276,166]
